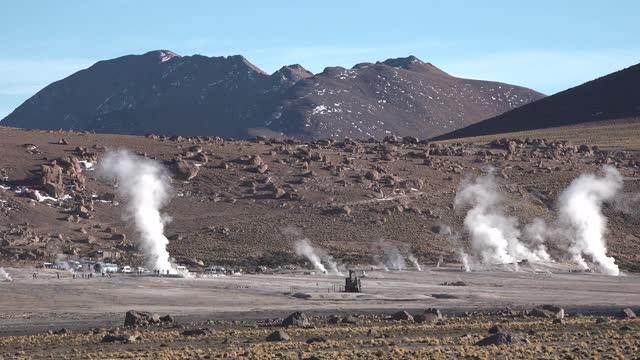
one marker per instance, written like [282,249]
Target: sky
[545,45]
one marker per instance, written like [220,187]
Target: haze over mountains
[165,93]
[611,97]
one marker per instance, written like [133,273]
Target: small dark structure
[352,283]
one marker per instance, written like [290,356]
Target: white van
[126,269]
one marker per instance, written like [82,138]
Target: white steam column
[580,210]
[144,186]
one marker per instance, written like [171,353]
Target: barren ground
[242,310]
[229,215]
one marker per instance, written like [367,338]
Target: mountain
[611,97]
[165,93]
[402,96]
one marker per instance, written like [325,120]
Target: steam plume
[4,276]
[580,210]
[393,258]
[304,248]
[144,186]
[494,236]
[414,261]
[320,260]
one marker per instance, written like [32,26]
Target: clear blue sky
[546,45]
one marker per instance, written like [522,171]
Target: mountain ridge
[161,91]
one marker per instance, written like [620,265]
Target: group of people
[74,275]
[161,272]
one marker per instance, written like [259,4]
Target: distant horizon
[546,46]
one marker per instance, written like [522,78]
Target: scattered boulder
[318,339]
[496,329]
[197,332]
[351,320]
[279,192]
[372,175]
[53,190]
[278,335]
[183,170]
[626,314]
[118,236]
[402,316]
[430,315]
[140,318]
[298,318]
[262,168]
[61,331]
[548,311]
[497,339]
[82,211]
[167,319]
[127,339]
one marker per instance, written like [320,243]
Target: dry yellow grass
[621,134]
[578,338]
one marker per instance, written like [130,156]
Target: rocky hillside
[614,96]
[165,93]
[246,202]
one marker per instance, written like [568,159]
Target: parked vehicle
[214,270]
[126,269]
[106,268]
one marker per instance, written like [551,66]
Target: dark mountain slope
[613,96]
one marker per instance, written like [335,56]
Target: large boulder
[298,318]
[548,311]
[140,318]
[496,339]
[51,180]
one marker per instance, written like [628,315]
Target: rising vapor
[580,210]
[144,186]
[495,237]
